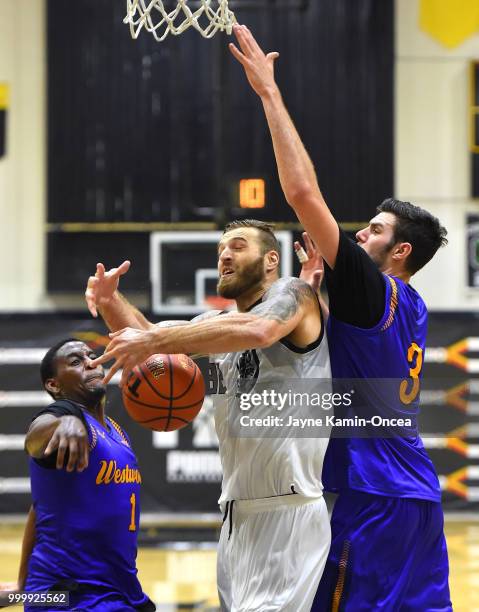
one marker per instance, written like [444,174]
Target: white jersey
[267,466]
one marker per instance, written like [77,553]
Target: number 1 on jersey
[132,526]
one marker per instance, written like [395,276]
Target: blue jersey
[394,348]
[87,522]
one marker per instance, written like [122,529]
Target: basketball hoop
[206,16]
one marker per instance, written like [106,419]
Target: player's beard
[251,275]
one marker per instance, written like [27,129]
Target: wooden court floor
[185,579]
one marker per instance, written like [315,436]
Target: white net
[161,18]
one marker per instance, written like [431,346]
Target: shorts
[387,554]
[272,553]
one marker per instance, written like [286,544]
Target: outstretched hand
[312,269]
[259,67]
[128,347]
[70,436]
[101,287]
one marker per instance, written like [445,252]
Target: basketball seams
[193,378]
[134,400]
[171,396]
[155,391]
[162,418]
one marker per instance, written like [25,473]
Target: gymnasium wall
[23,168]
[432,158]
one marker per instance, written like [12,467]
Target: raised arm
[296,171]
[102,296]
[284,307]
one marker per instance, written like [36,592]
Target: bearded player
[275,536]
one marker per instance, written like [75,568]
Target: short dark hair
[418,227]
[48,366]
[268,240]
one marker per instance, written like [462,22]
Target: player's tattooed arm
[284,300]
[283,308]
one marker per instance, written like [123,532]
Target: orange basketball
[165,392]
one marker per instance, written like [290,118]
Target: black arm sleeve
[59,408]
[356,286]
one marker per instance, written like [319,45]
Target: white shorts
[272,553]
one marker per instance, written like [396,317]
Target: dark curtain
[147,131]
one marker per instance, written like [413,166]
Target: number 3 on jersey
[415,358]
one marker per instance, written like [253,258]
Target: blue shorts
[386,554]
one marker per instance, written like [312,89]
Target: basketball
[165,392]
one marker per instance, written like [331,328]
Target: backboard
[183,269]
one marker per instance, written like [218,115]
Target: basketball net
[209,17]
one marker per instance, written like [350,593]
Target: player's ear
[272,261]
[402,251]
[52,386]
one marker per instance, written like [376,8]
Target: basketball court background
[106,143]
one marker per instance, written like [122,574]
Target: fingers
[310,247]
[72,455]
[100,270]
[124,267]
[71,439]
[62,449]
[273,56]
[84,455]
[90,296]
[237,53]
[78,452]
[116,334]
[113,370]
[125,376]
[301,253]
[101,359]
[245,40]
[52,445]
[317,280]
